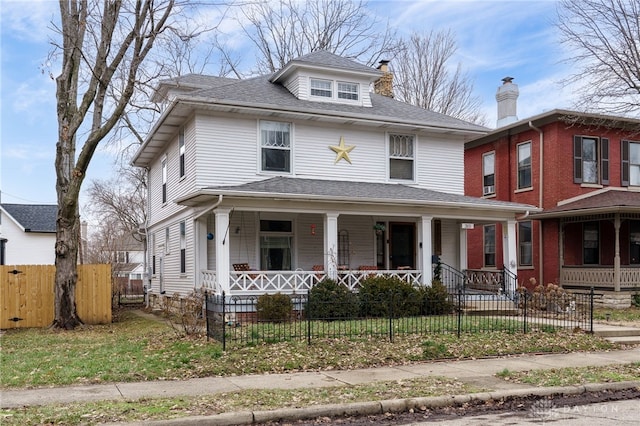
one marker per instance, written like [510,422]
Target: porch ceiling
[612,200]
[330,191]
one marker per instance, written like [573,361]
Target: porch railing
[599,277]
[298,281]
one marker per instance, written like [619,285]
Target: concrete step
[613,331]
[624,340]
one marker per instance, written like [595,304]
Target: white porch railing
[599,277]
[299,281]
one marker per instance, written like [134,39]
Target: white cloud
[28,19]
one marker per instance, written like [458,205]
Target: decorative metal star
[342,151]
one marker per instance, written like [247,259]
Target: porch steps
[617,334]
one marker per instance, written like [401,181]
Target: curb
[380,407]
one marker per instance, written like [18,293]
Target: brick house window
[525,244]
[489,245]
[524,165]
[590,160]
[630,163]
[489,173]
[590,243]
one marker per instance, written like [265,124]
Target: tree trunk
[66,316]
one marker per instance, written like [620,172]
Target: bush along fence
[385,307]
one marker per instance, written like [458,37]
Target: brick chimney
[384,85]
[507,97]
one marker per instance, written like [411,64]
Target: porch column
[509,248]
[331,244]
[464,262]
[221,238]
[199,250]
[427,250]
[616,259]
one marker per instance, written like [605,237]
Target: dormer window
[321,88]
[348,91]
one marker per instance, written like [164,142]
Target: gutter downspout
[540,201]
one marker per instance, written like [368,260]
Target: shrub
[435,299]
[379,294]
[635,300]
[329,300]
[274,308]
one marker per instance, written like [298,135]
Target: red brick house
[583,171]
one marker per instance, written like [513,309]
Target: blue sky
[495,39]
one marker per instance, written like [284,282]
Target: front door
[402,242]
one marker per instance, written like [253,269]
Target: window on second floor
[181,150]
[489,173]
[489,246]
[401,157]
[164,180]
[275,143]
[525,244]
[630,163]
[524,165]
[321,88]
[590,160]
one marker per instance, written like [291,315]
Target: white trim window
[275,146]
[348,91]
[276,245]
[524,165]
[183,247]
[321,88]
[525,243]
[181,151]
[166,240]
[401,157]
[489,246]
[489,173]
[164,180]
[630,163]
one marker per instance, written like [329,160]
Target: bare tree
[287,29]
[603,37]
[103,48]
[424,76]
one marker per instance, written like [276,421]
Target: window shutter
[604,160]
[625,164]
[577,159]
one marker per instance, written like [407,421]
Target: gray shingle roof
[347,190]
[328,59]
[34,217]
[260,92]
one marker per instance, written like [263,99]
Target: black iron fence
[247,320]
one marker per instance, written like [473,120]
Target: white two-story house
[271,183]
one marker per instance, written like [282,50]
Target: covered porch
[598,240]
[250,244]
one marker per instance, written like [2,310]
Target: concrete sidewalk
[480,373]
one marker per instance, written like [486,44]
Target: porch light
[313,229]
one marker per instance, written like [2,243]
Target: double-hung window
[630,163]
[183,248]
[347,91]
[590,243]
[489,245]
[489,173]
[275,142]
[525,244]
[181,150]
[524,165]
[276,242]
[164,180]
[321,88]
[590,160]
[401,156]
[166,240]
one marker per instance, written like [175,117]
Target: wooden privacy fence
[27,297]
